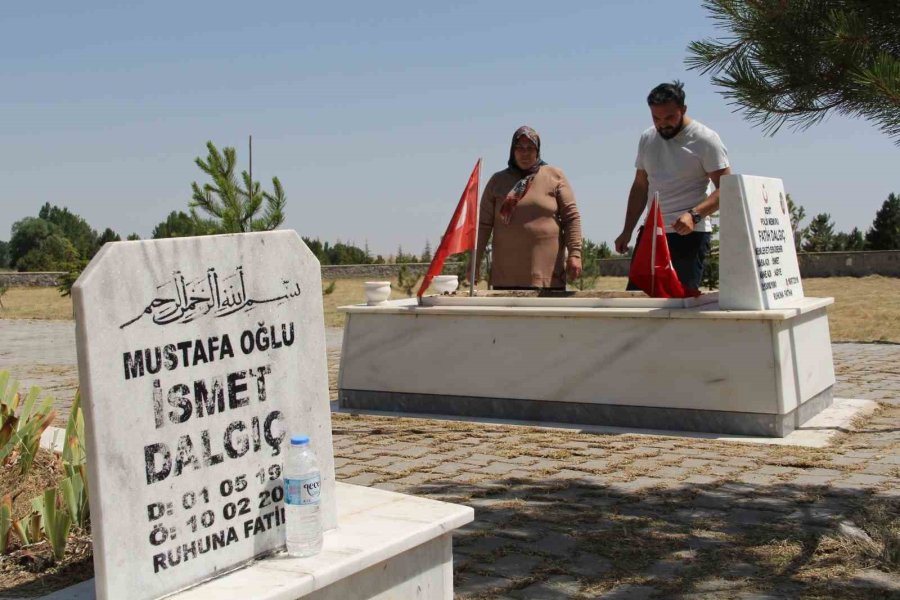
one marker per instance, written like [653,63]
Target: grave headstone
[198,358]
[758,267]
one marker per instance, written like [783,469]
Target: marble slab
[590,413]
[758,266]
[635,301]
[817,432]
[583,308]
[197,358]
[607,357]
[397,535]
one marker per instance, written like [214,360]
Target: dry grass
[46,471]
[866,309]
[35,303]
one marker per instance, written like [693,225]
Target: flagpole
[474,258]
[653,207]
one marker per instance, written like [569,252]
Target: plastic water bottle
[303,518]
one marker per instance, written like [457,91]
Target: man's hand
[684,224]
[573,267]
[622,242]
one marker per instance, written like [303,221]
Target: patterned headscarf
[519,190]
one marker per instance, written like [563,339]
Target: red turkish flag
[461,232]
[651,265]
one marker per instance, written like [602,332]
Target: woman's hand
[573,267]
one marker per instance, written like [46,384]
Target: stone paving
[562,514]
[565,514]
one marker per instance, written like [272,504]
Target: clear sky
[372,114]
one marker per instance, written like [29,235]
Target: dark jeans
[688,256]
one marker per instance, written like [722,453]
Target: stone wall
[614,267]
[13,279]
[812,264]
[375,271]
[850,264]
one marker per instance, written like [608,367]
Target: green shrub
[21,429]
[56,522]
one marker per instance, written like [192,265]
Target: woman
[530,209]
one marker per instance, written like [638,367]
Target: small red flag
[651,265]
[461,232]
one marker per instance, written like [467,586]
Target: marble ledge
[373,526]
[410,307]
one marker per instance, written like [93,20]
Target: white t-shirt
[678,168]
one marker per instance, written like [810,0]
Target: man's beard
[667,133]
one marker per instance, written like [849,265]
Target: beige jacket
[531,250]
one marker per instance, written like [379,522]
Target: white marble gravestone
[198,358]
[758,267]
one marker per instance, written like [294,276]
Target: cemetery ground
[567,514]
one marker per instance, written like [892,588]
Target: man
[679,158]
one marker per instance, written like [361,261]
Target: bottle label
[302,491]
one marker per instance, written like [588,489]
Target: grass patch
[35,303]
[866,309]
[880,547]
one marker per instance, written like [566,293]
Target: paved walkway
[562,514]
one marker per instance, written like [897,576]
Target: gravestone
[758,267]
[198,358]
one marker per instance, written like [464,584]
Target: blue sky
[372,114]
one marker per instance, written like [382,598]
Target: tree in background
[339,254]
[403,257]
[591,255]
[108,235]
[4,255]
[345,254]
[53,253]
[316,248]
[133,237]
[849,242]
[796,62]
[27,235]
[426,253]
[182,224]
[233,208]
[37,243]
[820,234]
[885,231]
[798,213]
[73,227]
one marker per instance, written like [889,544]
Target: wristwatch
[695,216]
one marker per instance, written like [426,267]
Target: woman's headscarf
[519,190]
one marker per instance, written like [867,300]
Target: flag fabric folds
[462,231]
[651,264]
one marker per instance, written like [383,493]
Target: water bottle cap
[299,440]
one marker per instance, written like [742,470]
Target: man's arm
[637,202]
[684,224]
